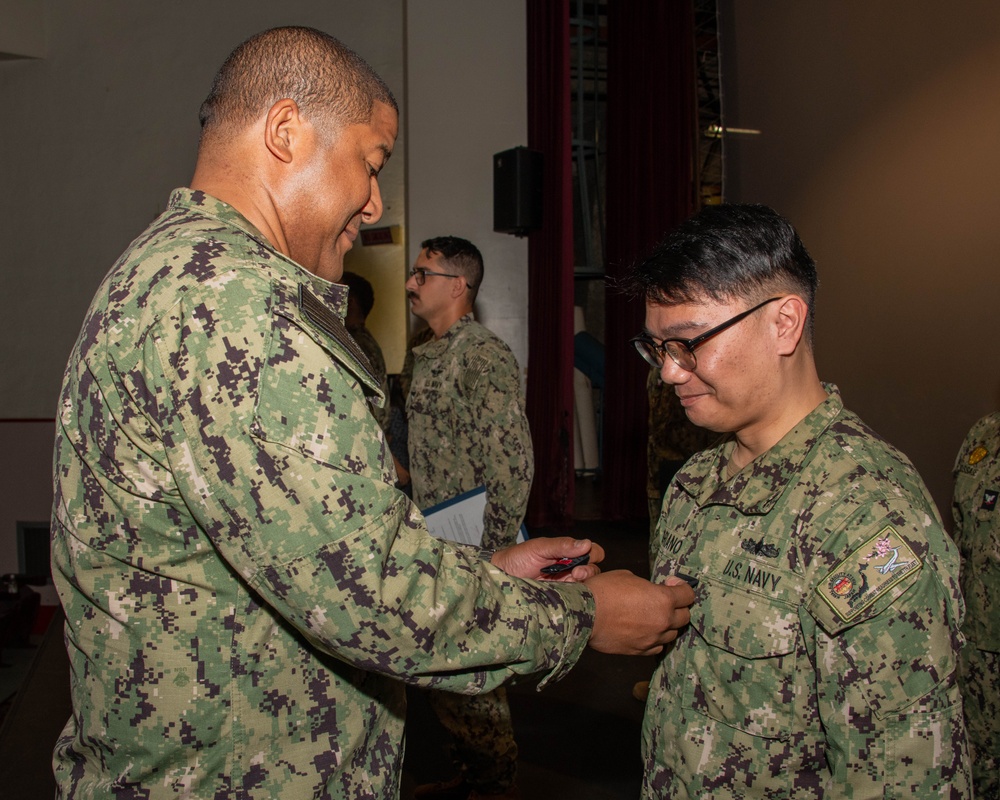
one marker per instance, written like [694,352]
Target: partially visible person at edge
[977,534]
[821,658]
[467,428]
[398,433]
[245,590]
[360,301]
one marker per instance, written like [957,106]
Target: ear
[458,287]
[791,318]
[282,129]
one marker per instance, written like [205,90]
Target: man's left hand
[525,560]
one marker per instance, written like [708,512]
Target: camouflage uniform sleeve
[886,667]
[501,454]
[274,452]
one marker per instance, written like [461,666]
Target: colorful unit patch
[989,500]
[868,573]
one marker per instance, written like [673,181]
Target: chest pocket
[430,409]
[741,661]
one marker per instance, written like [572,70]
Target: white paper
[460,519]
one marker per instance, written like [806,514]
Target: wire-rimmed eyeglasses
[420,273]
[681,351]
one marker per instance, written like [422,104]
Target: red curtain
[651,187]
[550,268]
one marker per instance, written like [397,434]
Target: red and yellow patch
[868,573]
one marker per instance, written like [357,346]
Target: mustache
[410,294]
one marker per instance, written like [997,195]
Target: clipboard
[460,519]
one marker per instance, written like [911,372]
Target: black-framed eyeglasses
[681,351]
[420,273]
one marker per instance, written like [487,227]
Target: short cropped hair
[325,78]
[462,256]
[361,290]
[724,252]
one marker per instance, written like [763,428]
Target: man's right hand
[635,617]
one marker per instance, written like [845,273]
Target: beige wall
[101,129]
[98,132]
[466,90]
[22,34]
[107,125]
[881,142]
[466,99]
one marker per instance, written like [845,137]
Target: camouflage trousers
[483,746]
[981,698]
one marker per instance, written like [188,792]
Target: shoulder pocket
[312,394]
[331,329]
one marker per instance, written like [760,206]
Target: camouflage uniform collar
[758,487]
[436,347]
[332,294]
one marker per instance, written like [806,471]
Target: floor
[34,716]
[580,737]
[13,668]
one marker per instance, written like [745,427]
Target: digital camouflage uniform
[417,338]
[467,428]
[821,656]
[376,361]
[977,534]
[244,588]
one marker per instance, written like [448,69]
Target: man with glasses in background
[467,428]
[821,657]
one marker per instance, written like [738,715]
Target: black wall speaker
[517,191]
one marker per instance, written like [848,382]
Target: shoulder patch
[474,371]
[868,573]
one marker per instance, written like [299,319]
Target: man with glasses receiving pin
[821,656]
[467,428]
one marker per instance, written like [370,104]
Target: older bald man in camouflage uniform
[977,534]
[821,660]
[245,590]
[467,428]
